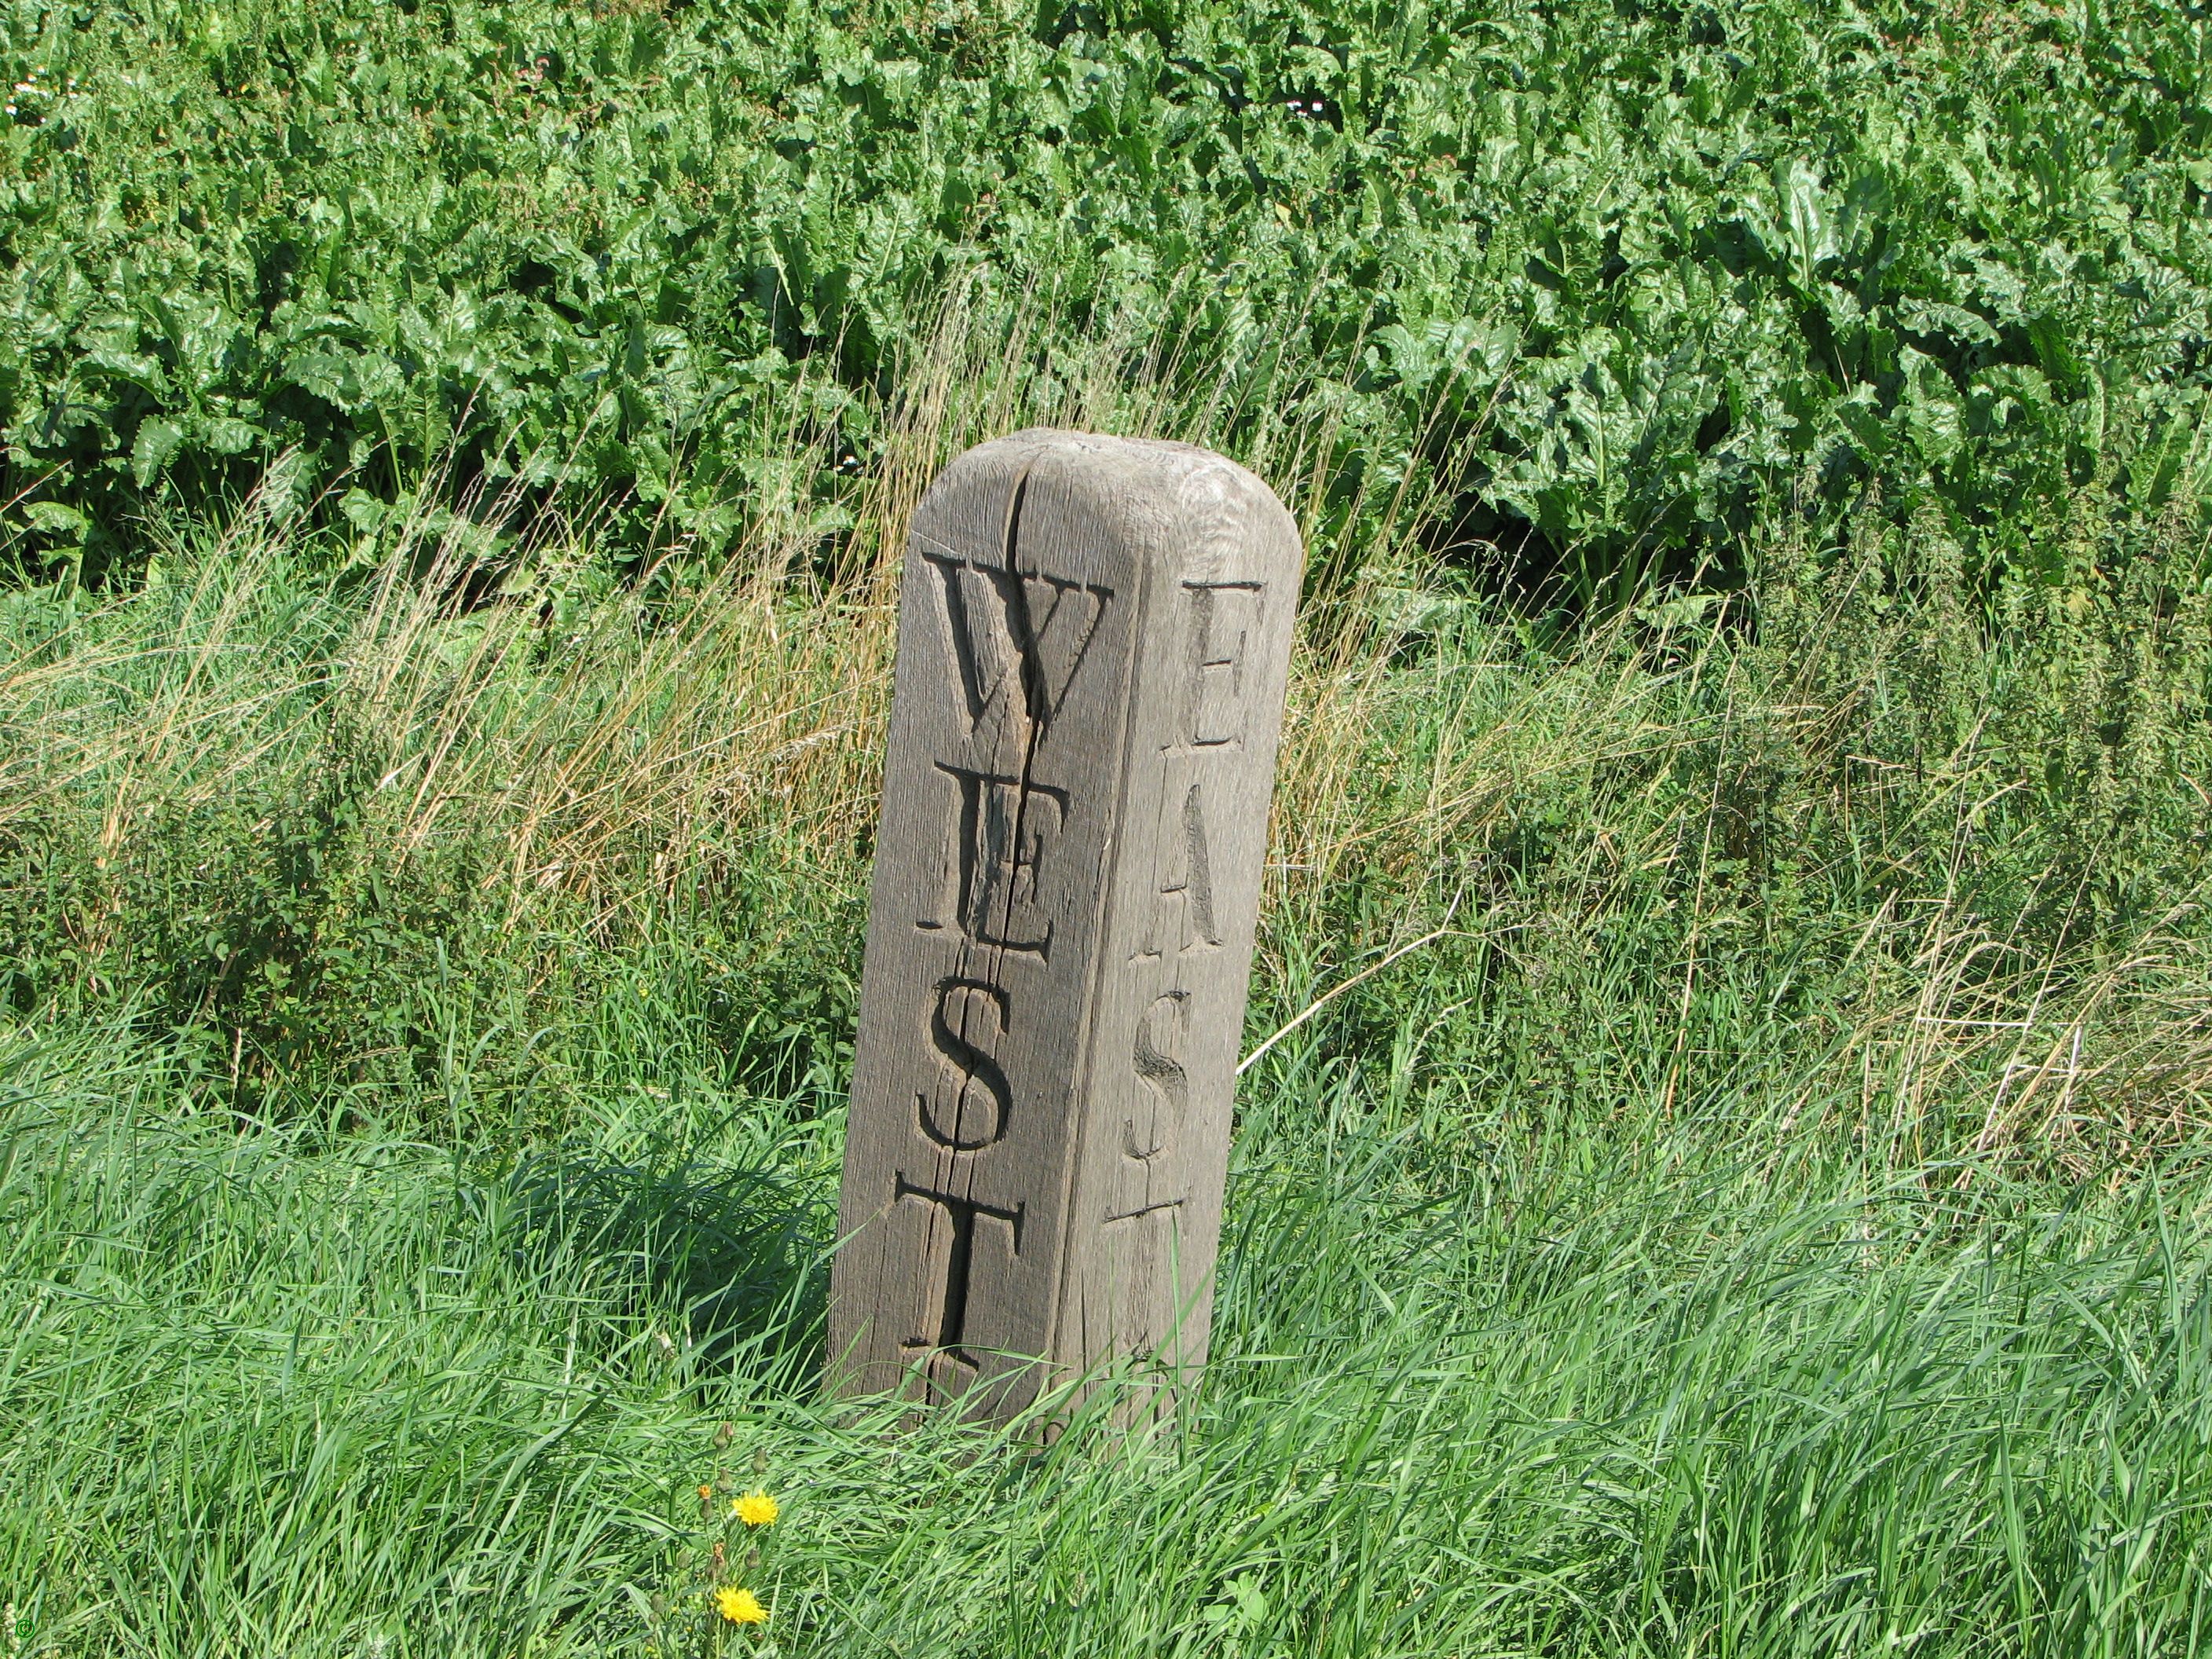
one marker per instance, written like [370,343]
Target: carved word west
[1094,638]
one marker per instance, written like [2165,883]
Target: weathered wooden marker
[1094,639]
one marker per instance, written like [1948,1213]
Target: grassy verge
[1706,1386]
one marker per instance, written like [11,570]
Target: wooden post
[1094,640]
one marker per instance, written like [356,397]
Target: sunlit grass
[1715,1387]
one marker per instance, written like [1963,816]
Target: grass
[1706,1387]
[1763,1214]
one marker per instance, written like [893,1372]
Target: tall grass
[1720,1171]
[1705,1387]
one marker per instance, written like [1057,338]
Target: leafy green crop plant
[1611,278]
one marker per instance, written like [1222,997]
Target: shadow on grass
[737,1257]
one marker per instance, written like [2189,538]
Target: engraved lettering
[1183,918]
[1222,617]
[982,644]
[1017,640]
[1159,1068]
[980,1244]
[1001,829]
[1093,640]
[1058,619]
[1151,1134]
[1197,875]
[967,1107]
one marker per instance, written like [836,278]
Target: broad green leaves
[1617,276]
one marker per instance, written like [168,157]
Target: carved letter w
[1017,639]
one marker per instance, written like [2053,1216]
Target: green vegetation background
[1603,272]
[1735,1184]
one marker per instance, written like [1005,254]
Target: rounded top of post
[1151,458]
[1149,490]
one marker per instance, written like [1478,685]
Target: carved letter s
[968,1106]
[1160,1069]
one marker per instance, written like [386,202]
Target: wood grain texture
[1094,642]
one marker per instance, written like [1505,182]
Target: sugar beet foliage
[1608,277]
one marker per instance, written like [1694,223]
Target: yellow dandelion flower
[755,1509]
[739,1607]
